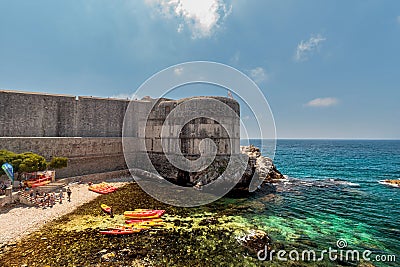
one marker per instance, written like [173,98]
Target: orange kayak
[102,188]
[33,181]
[40,184]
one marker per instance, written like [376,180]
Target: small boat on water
[393,183]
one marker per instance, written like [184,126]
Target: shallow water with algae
[190,237]
[332,194]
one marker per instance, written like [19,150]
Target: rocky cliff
[260,169]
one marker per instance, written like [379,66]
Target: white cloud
[323,102]
[124,96]
[305,48]
[201,16]
[258,74]
[235,58]
[178,71]
[180,28]
[398,19]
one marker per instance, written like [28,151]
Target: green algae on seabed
[203,236]
[74,239]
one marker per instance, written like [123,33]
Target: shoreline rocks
[260,170]
[255,241]
[391,183]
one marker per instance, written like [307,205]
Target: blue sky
[329,69]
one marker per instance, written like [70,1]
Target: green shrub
[58,163]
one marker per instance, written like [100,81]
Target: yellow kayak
[144,214]
[149,223]
[105,208]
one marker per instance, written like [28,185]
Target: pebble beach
[20,220]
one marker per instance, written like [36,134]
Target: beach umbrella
[8,169]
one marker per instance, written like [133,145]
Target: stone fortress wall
[191,135]
[86,155]
[196,130]
[45,115]
[88,130]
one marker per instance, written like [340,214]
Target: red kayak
[141,215]
[120,231]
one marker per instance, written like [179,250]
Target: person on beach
[61,196]
[2,189]
[42,202]
[45,200]
[69,194]
[111,212]
[53,199]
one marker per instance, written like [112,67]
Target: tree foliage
[30,162]
[58,163]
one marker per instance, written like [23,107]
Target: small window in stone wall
[167,109]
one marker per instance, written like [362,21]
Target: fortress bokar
[88,131]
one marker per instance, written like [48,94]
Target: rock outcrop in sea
[260,169]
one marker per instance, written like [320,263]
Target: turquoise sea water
[333,193]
